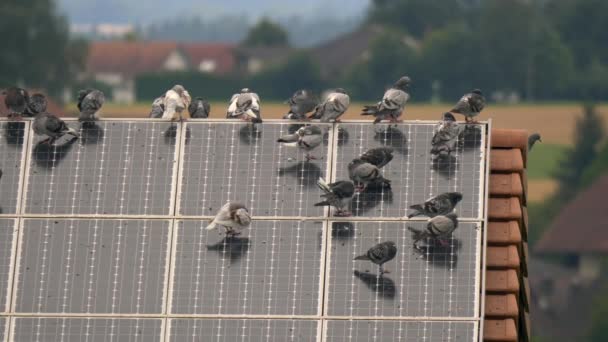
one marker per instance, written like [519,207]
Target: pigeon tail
[369,110]
[322,204]
[323,185]
[417,210]
[362,257]
[417,234]
[73,132]
[211,226]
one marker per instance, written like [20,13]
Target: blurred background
[543,64]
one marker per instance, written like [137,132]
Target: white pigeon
[245,106]
[175,101]
[234,217]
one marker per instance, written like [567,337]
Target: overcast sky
[134,11]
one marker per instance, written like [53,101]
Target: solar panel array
[102,238]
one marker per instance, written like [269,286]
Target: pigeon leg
[444,243]
[46,141]
[382,270]
[310,157]
[342,212]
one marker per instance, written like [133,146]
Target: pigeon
[363,174]
[245,105]
[16,101]
[378,157]
[305,138]
[175,101]
[158,108]
[532,139]
[380,254]
[50,125]
[439,205]
[234,217]
[470,105]
[333,107]
[392,104]
[337,194]
[35,105]
[446,138]
[439,227]
[301,103]
[199,108]
[90,102]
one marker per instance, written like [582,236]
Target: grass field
[555,122]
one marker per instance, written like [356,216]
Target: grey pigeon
[337,194]
[439,228]
[233,217]
[90,102]
[532,139]
[51,126]
[245,106]
[16,101]
[158,108]
[301,103]
[439,205]
[305,138]
[392,104]
[470,105]
[363,174]
[199,108]
[379,156]
[380,254]
[36,105]
[175,101]
[444,141]
[333,107]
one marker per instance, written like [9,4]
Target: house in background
[117,63]
[252,60]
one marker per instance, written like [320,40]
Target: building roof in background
[128,57]
[52,106]
[582,226]
[132,58]
[222,54]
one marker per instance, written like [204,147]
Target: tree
[36,48]
[599,325]
[266,33]
[390,58]
[417,17]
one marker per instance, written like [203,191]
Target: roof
[51,105]
[585,216]
[507,311]
[222,54]
[128,57]
[132,58]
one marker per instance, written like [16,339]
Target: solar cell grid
[290,276]
[12,135]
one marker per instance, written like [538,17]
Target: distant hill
[138,12]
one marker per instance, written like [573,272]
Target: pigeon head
[355,162]
[455,197]
[37,103]
[477,91]
[449,117]
[340,90]
[241,216]
[178,89]
[245,90]
[390,244]
[453,217]
[534,137]
[403,83]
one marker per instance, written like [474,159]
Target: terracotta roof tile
[503,257]
[222,54]
[585,216]
[504,208]
[128,57]
[502,281]
[500,330]
[508,184]
[506,160]
[504,233]
[504,306]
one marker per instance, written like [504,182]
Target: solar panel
[12,136]
[86,329]
[117,168]
[3,328]
[239,162]
[105,235]
[258,330]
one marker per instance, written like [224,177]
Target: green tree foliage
[583,26]
[36,47]
[266,33]
[389,59]
[599,324]
[417,17]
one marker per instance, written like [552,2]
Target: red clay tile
[504,306]
[510,138]
[499,257]
[505,281]
[503,233]
[499,330]
[504,209]
[506,185]
[509,160]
